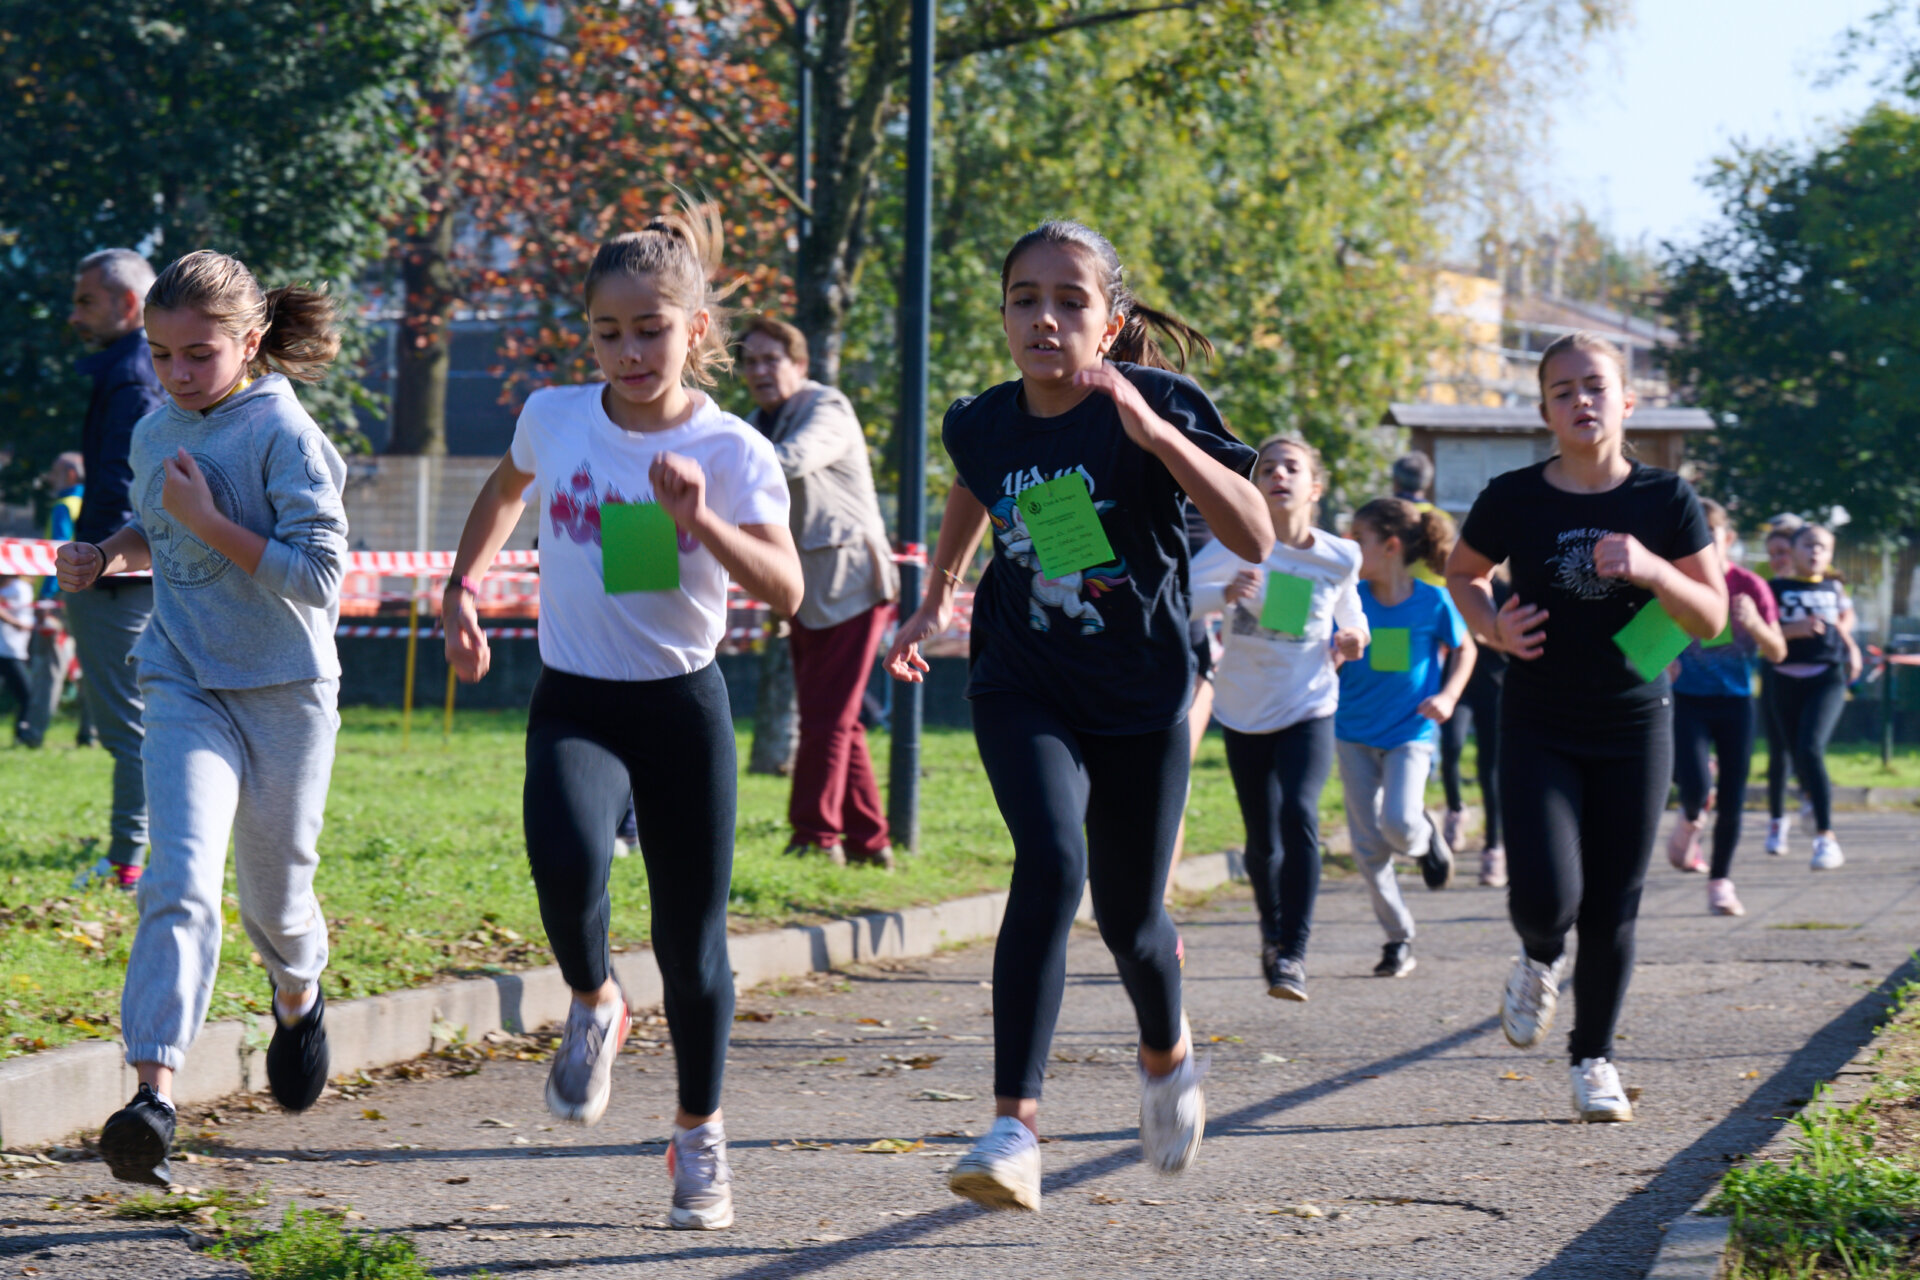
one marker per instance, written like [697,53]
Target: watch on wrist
[464,583]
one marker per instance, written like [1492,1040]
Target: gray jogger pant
[253,763]
[1385,791]
[105,621]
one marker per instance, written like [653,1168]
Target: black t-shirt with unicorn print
[1107,647]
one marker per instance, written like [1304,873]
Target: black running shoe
[297,1060]
[135,1140]
[1286,976]
[1396,960]
[1436,864]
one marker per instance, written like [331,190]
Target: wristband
[464,583]
[953,577]
[101,552]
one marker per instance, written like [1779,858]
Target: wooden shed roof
[1525,418]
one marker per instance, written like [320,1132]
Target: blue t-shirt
[1382,708]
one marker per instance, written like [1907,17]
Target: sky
[1661,98]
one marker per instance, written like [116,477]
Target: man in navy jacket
[109,297]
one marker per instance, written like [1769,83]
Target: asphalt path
[1385,1129]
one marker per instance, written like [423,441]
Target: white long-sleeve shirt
[1269,680]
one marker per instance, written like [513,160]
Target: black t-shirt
[1800,600]
[1547,536]
[1106,647]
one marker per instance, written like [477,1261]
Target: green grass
[423,867]
[1857,764]
[1846,1200]
[312,1245]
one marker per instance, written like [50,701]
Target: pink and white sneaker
[1721,899]
[1683,844]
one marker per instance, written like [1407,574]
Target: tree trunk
[776,712]
[425,340]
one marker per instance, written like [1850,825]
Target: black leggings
[1779,755]
[670,743]
[1278,778]
[1127,791]
[1704,727]
[1583,796]
[1478,713]
[1808,708]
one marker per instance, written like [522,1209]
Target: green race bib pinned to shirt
[1391,649]
[1289,600]
[1652,640]
[639,548]
[1064,527]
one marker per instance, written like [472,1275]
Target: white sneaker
[1778,829]
[1173,1112]
[702,1180]
[1533,992]
[1597,1094]
[1003,1169]
[1826,854]
[580,1079]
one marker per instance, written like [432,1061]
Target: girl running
[1081,666]
[1586,756]
[1779,755]
[1392,701]
[237,510]
[630,701]
[1713,715]
[1276,691]
[1810,686]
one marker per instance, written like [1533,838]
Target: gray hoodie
[272,471]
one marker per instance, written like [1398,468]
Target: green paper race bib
[639,548]
[1065,528]
[1289,599]
[1652,640]
[1391,649]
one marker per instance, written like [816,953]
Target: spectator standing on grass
[106,621]
[851,586]
[237,511]
[16,628]
[52,648]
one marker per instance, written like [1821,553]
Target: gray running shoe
[1003,1169]
[1173,1112]
[1286,976]
[1396,960]
[702,1180]
[581,1077]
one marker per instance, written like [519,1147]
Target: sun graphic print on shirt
[574,509]
[1072,594]
[1573,570]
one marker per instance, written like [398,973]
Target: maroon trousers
[834,790]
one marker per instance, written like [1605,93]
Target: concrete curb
[49,1097]
[1695,1246]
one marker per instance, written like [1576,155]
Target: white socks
[291,1018]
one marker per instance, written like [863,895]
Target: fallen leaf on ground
[871,1022]
[372,1113]
[941,1095]
[1273,1059]
[520,1140]
[1156,1202]
[492,1208]
[281,1159]
[917,1061]
[454,1182]
[1749,1075]
[1101,1197]
[819,1062]
[1299,1211]
[798,1144]
[1511,1074]
[823,1239]
[361,1164]
[491,1123]
[752,1015]
[1226,1039]
[891,1146]
[1633,1092]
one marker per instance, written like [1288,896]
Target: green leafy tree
[1800,315]
[280,131]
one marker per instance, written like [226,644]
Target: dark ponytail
[1425,535]
[1136,343]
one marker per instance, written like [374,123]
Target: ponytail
[1426,535]
[680,254]
[303,333]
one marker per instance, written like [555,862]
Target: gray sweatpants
[253,764]
[105,621]
[1386,789]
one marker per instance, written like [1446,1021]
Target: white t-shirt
[579,459]
[1269,680]
[17,596]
